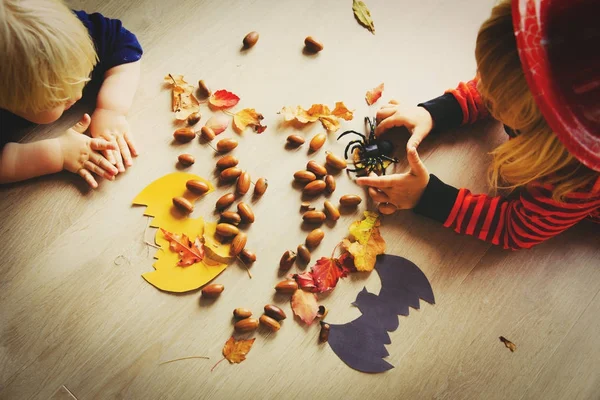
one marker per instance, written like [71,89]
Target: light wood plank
[572,371]
[76,312]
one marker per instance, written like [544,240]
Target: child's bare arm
[118,88]
[21,161]
[109,119]
[72,151]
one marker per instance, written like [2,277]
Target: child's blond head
[46,55]
[536,153]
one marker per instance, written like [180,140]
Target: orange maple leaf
[374,94]
[189,252]
[222,99]
[248,117]
[235,351]
[305,306]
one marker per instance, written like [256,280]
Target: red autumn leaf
[223,99]
[346,263]
[305,281]
[374,94]
[305,306]
[326,274]
[189,252]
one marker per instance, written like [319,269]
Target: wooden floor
[78,321]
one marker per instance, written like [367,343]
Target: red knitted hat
[559,48]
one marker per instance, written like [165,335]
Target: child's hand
[416,119]
[402,191]
[113,126]
[81,155]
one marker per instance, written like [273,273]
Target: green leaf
[363,15]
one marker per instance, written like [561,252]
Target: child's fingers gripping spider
[370,154]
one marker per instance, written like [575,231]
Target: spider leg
[358,146]
[372,125]
[357,170]
[386,158]
[381,165]
[350,144]
[356,133]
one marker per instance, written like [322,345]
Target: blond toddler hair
[46,55]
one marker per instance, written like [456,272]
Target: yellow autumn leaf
[365,242]
[341,111]
[360,231]
[363,15]
[330,123]
[318,112]
[183,101]
[248,117]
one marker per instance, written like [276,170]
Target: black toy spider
[372,152]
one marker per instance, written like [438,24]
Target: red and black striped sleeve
[518,223]
[457,107]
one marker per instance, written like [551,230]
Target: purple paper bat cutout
[361,343]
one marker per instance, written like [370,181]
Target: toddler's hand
[398,191]
[113,126]
[80,153]
[416,119]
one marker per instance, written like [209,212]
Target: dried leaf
[222,99]
[365,242]
[189,252]
[321,112]
[235,350]
[347,264]
[305,281]
[374,94]
[509,345]
[248,116]
[326,274]
[215,250]
[341,111]
[361,230]
[218,123]
[183,101]
[363,15]
[305,306]
[330,123]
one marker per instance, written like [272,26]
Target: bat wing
[402,283]
[360,344]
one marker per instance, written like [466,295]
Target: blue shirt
[114,44]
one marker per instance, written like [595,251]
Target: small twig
[228,113]
[245,266]
[218,362]
[335,249]
[184,358]
[216,151]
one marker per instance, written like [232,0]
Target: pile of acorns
[316,180]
